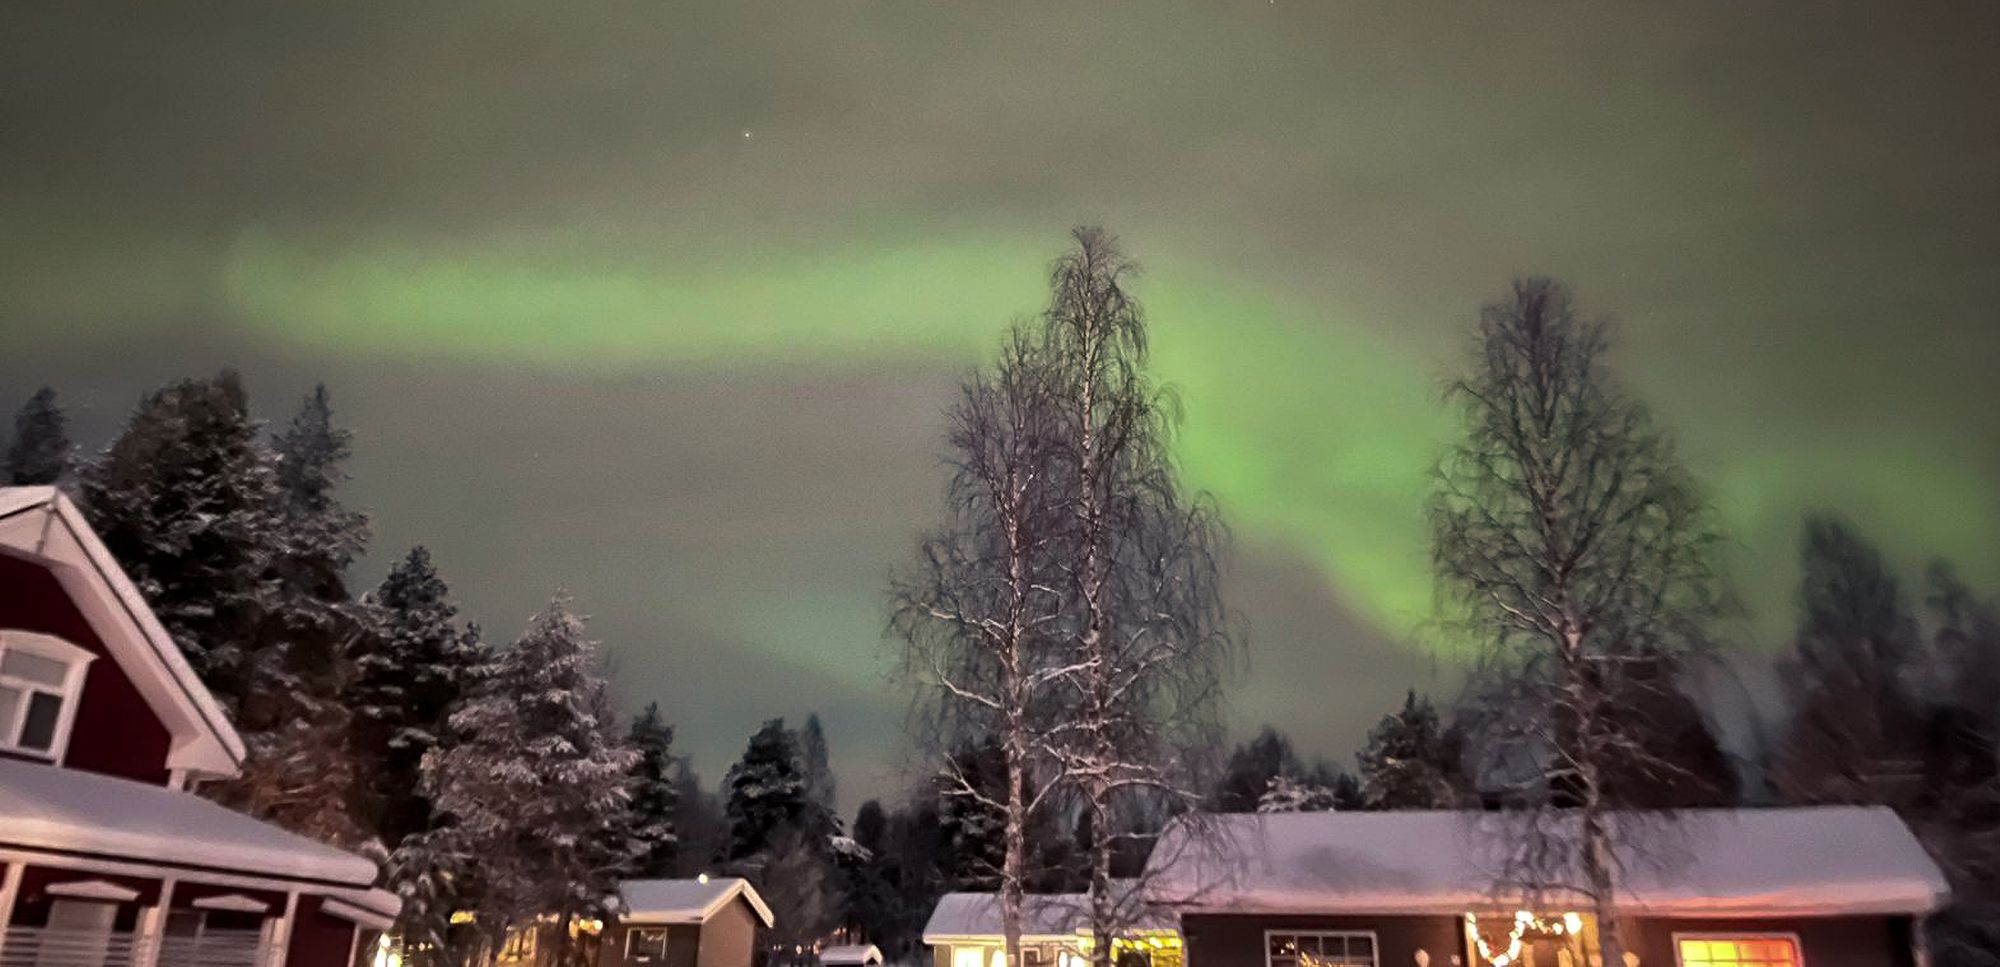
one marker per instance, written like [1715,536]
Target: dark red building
[106,858]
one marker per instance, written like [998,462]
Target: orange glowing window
[1748,950]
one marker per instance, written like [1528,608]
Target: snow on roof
[374,908]
[42,524]
[686,901]
[851,954]
[1741,862]
[51,808]
[1044,916]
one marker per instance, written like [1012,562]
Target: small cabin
[705,921]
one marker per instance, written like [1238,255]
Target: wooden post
[10,886]
[280,933]
[152,926]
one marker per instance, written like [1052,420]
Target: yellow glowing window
[1750,950]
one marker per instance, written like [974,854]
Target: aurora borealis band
[590,334]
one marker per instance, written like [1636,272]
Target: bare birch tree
[1577,548]
[978,609]
[1146,641]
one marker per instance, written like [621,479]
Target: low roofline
[982,938]
[737,887]
[214,748]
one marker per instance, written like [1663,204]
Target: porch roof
[69,811]
[1722,862]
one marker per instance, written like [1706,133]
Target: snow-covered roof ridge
[691,900]
[1816,860]
[1044,916]
[43,524]
[43,807]
[866,953]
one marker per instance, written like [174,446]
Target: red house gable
[115,731]
[140,712]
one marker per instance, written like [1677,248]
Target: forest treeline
[1066,642]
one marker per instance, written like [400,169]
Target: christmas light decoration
[1524,922]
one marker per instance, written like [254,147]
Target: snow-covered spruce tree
[972,815]
[1250,769]
[819,779]
[300,771]
[766,791]
[1145,640]
[410,669]
[1577,547]
[532,780]
[978,611]
[654,799]
[185,499]
[1409,762]
[1289,795]
[40,452]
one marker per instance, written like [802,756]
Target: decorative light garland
[1524,921]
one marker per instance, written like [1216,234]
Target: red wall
[318,940]
[116,732]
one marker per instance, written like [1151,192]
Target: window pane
[33,668]
[1749,951]
[38,732]
[10,706]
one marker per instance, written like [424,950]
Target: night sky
[660,301]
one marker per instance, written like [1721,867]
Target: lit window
[644,945]
[1737,950]
[1320,949]
[40,677]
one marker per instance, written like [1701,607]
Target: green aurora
[1312,434]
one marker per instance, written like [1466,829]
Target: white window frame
[666,939]
[1798,946]
[1374,942]
[77,664]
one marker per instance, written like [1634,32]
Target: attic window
[41,677]
[1737,950]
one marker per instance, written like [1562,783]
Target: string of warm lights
[1524,921]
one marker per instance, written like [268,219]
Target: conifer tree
[40,452]
[410,671]
[1250,769]
[699,821]
[1408,764]
[325,537]
[766,791]
[654,799]
[532,780]
[296,724]
[813,760]
[971,816]
[184,499]
[1855,727]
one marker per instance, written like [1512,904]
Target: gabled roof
[686,901]
[1734,862]
[75,812]
[43,525]
[866,953]
[1045,917]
